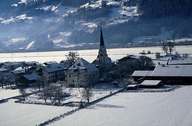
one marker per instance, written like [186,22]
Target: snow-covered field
[15,114]
[6,93]
[137,109]
[76,95]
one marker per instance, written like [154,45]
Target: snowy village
[74,84]
[95,63]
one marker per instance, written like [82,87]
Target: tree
[72,56]
[53,92]
[41,77]
[23,93]
[87,94]
[45,94]
[170,47]
[165,48]
[162,8]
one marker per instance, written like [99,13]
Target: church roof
[101,38]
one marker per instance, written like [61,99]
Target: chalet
[82,73]
[173,74]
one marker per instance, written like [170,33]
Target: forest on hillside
[163,8]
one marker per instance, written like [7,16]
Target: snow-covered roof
[182,61]
[167,71]
[172,70]
[3,69]
[52,67]
[21,69]
[83,64]
[141,73]
[150,82]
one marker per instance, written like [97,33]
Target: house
[7,78]
[30,79]
[19,72]
[53,72]
[81,74]
[173,74]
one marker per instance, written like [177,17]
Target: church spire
[101,38]
[102,57]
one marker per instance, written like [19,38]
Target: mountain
[40,25]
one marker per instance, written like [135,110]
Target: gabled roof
[172,70]
[20,70]
[53,67]
[166,71]
[31,77]
[83,64]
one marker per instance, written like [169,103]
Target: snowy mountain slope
[58,24]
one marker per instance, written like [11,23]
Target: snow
[83,64]
[167,70]
[17,40]
[23,2]
[10,20]
[181,61]
[141,73]
[52,67]
[6,93]
[48,8]
[30,45]
[27,114]
[137,109]
[173,70]
[150,82]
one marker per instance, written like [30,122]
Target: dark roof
[101,38]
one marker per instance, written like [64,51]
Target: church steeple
[101,38]
[102,58]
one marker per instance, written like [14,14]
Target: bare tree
[165,48]
[171,46]
[168,47]
[23,93]
[54,93]
[87,94]
[45,94]
[72,56]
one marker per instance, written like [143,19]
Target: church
[103,62]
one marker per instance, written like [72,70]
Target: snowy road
[137,109]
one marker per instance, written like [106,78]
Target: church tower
[102,59]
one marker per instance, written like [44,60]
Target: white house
[82,73]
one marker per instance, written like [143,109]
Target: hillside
[39,25]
